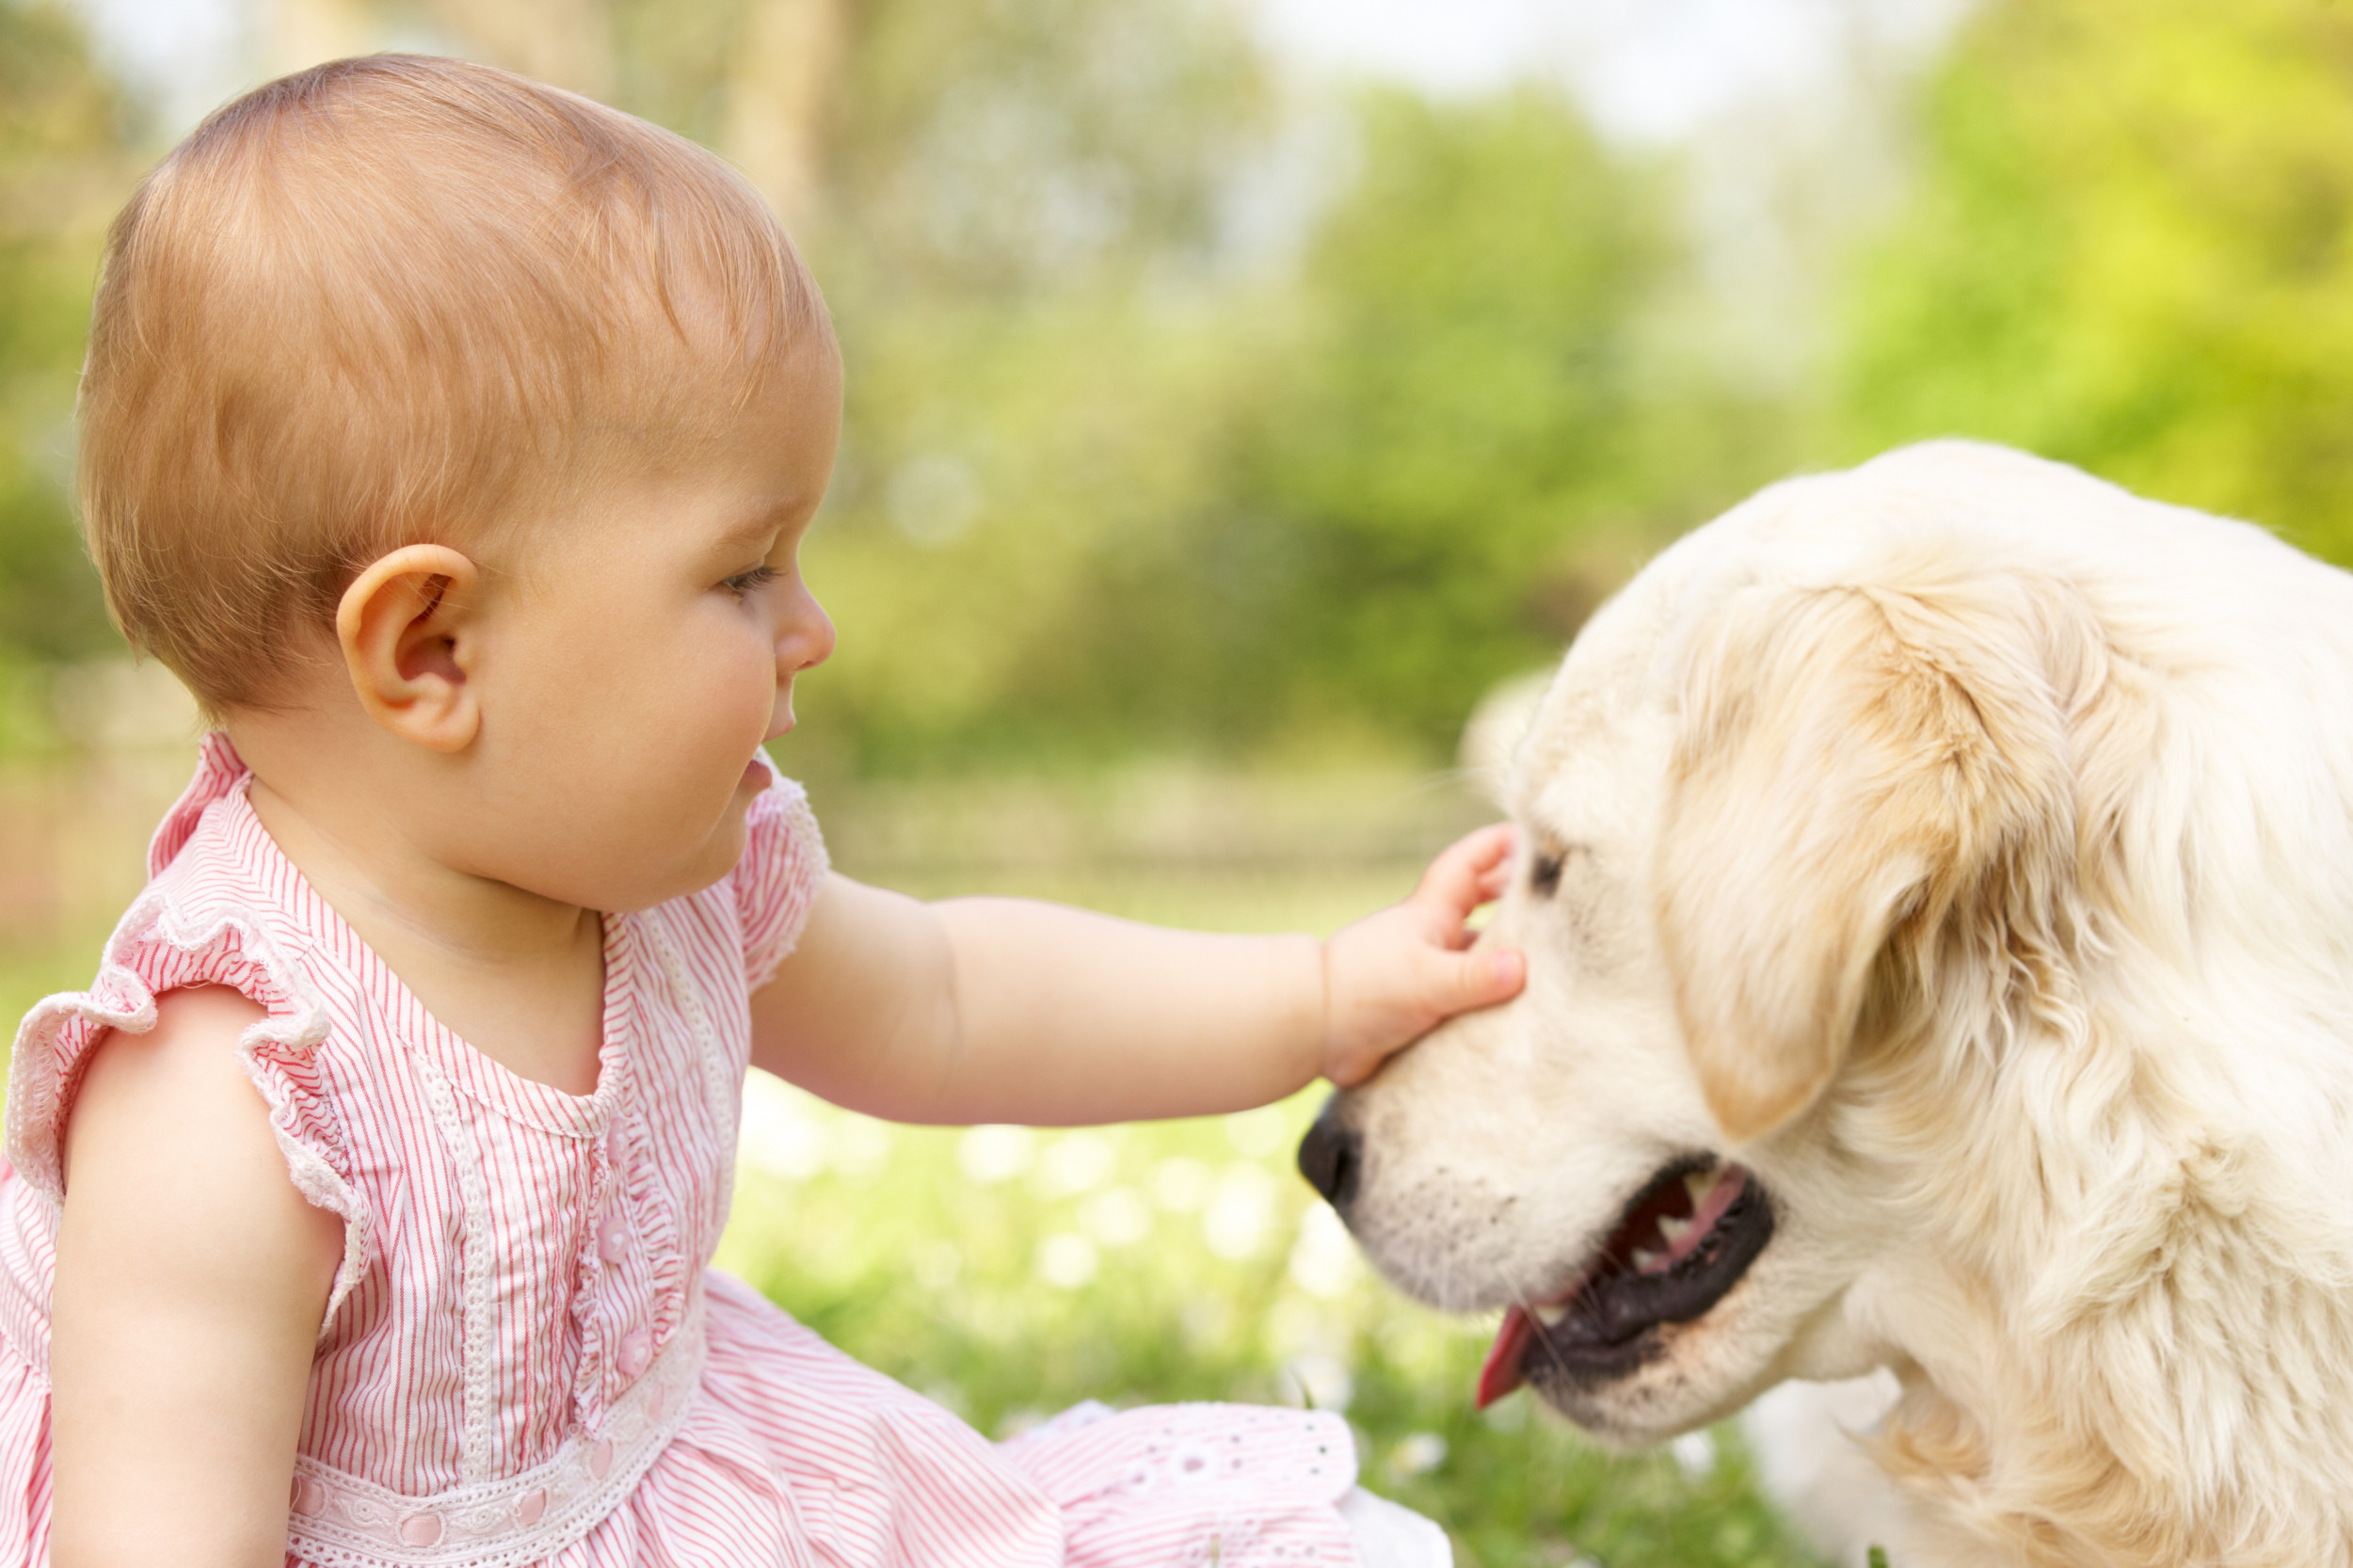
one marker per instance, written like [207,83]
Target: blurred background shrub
[2127,248]
[1204,404]
[1237,390]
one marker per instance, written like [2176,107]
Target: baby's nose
[807,639]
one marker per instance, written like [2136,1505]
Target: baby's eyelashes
[744,581]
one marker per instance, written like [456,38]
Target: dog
[1937,886]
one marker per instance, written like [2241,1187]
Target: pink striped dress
[525,1357]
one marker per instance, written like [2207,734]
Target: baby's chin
[690,869]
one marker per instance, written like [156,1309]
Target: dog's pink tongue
[1506,1356]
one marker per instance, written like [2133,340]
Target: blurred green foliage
[1409,486]
[1119,478]
[62,131]
[1309,515]
[2128,248]
[1008,151]
[1017,236]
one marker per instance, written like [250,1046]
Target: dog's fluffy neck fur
[2130,1329]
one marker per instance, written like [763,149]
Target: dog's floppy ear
[1857,766]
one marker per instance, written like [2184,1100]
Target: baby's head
[409,379]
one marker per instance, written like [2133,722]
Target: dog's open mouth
[1684,1243]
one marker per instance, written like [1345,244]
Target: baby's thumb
[1481,978]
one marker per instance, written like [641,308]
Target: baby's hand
[1391,977]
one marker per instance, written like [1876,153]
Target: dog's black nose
[1329,1157]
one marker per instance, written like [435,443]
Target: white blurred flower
[1207,1322]
[936,1264]
[862,1146]
[1180,1184]
[1506,1414]
[778,1137]
[1015,1422]
[934,498]
[1324,1260]
[1319,1381]
[1295,1325]
[989,1154]
[1257,1133]
[1695,1454]
[1118,1218]
[1417,1453]
[1066,1261]
[1075,1162]
[1236,1224]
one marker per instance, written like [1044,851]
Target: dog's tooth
[1551,1313]
[1699,1184]
[1672,1228]
[1643,1258]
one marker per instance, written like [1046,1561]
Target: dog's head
[1801,814]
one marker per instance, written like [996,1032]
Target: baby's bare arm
[1006,1010]
[191,1280]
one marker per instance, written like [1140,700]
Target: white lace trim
[344,1521]
[481,1352]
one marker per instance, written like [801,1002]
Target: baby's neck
[516,975]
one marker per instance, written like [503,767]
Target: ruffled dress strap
[776,880]
[198,922]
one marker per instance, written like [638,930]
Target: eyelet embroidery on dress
[1261,1486]
[480,1443]
[344,1522]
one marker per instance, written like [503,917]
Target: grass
[1008,1273]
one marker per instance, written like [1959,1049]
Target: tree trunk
[776,98]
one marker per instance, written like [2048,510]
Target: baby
[452,438]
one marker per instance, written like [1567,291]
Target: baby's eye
[744,581]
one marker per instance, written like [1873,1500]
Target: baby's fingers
[1463,982]
[1463,875]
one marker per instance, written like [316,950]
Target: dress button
[636,1352]
[420,1529]
[601,1458]
[613,1238]
[531,1505]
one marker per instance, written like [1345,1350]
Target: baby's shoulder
[172,1098]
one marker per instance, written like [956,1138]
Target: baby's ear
[401,627]
[1855,763]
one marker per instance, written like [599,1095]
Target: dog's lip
[1704,1192]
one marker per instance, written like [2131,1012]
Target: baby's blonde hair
[381,302]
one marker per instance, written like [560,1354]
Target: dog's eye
[1544,872]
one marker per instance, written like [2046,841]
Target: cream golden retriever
[1937,881]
